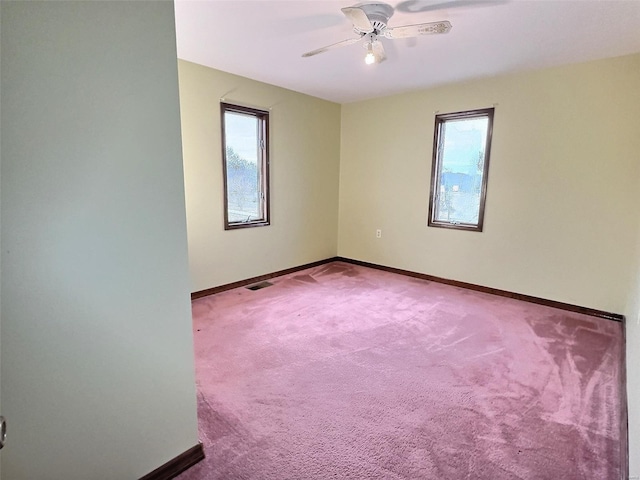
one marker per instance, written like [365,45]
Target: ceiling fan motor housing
[378,14]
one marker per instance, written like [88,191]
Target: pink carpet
[346,372]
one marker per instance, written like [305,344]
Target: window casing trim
[440,120]
[263,118]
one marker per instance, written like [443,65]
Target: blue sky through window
[242,135]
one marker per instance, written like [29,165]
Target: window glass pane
[460,172]
[242,137]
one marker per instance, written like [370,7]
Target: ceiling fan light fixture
[369,58]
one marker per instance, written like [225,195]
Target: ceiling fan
[370,22]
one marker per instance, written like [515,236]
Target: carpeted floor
[345,372]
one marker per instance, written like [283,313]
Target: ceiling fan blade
[415,6]
[343,43]
[408,31]
[359,18]
[378,51]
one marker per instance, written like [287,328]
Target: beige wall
[562,214]
[97,353]
[305,155]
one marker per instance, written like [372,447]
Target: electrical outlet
[378,233]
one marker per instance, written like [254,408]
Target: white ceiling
[264,40]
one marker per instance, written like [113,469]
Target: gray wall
[97,354]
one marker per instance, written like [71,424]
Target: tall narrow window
[461,146]
[245,153]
